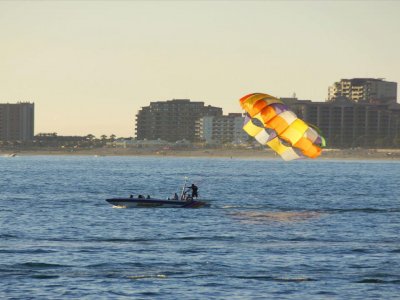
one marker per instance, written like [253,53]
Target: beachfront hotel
[221,129]
[17,121]
[364,90]
[172,120]
[348,124]
[359,112]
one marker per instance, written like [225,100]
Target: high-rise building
[17,121]
[221,129]
[345,123]
[172,120]
[364,90]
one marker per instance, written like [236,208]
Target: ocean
[312,229]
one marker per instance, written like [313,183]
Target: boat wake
[286,217]
[119,206]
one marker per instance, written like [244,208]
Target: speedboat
[152,202]
[184,201]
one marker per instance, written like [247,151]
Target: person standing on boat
[194,189]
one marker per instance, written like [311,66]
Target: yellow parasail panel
[252,129]
[277,146]
[295,131]
[287,153]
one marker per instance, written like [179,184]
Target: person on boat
[194,189]
[148,197]
[176,197]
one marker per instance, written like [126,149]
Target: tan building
[364,90]
[17,121]
[172,120]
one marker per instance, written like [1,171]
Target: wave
[361,209]
[277,279]
[360,250]
[147,276]
[119,240]
[27,251]
[134,240]
[106,265]
[44,276]
[30,269]
[7,236]
[38,265]
[183,238]
[207,238]
[379,281]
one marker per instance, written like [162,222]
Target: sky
[89,66]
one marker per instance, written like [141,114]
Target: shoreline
[364,154]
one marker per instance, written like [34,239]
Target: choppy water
[301,230]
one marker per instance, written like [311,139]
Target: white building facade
[221,129]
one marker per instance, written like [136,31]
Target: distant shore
[389,154]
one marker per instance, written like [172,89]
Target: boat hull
[139,203]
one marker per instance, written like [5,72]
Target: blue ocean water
[314,229]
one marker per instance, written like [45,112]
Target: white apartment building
[221,129]
[368,90]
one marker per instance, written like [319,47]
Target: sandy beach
[387,154]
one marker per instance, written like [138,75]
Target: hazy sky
[89,66]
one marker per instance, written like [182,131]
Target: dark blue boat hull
[140,202]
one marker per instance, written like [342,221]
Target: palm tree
[90,137]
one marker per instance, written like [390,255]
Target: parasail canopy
[272,123]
